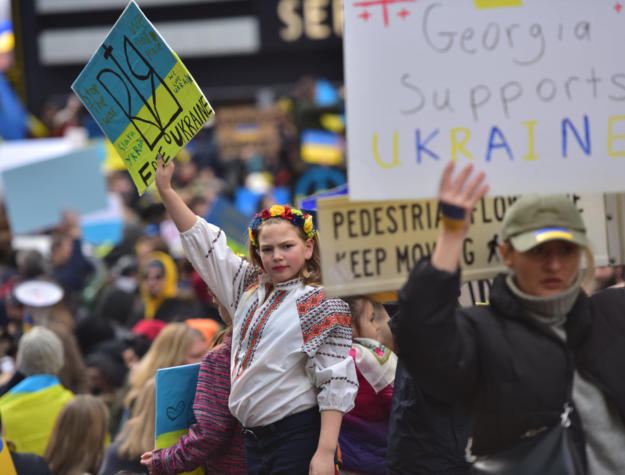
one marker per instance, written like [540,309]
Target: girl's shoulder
[313,298]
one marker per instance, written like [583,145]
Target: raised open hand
[459,195]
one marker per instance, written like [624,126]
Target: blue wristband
[451,211]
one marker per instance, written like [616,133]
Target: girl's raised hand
[163,174]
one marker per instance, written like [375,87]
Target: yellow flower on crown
[252,236]
[276,210]
[308,225]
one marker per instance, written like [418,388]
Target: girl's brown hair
[311,271]
[137,435]
[77,442]
[170,348]
[357,306]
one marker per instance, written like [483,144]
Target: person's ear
[310,247]
[506,253]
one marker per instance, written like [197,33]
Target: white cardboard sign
[530,91]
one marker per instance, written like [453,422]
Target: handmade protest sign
[531,92]
[142,96]
[175,392]
[370,247]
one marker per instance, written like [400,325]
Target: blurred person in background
[77,442]
[30,408]
[136,437]
[159,291]
[175,345]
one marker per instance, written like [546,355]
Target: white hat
[38,293]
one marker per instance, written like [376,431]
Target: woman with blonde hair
[136,437]
[175,345]
[77,443]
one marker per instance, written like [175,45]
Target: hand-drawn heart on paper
[174,412]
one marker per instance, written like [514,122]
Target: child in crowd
[79,436]
[364,431]
[291,375]
[215,441]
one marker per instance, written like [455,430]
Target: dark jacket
[512,370]
[29,464]
[426,436]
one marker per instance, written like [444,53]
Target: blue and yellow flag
[175,392]
[141,95]
[29,411]
[6,462]
[321,147]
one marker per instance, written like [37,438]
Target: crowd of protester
[84,329]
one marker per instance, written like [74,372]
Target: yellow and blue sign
[141,95]
[175,392]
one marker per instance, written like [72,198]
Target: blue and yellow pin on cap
[533,220]
[7,39]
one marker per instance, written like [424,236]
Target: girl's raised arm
[180,213]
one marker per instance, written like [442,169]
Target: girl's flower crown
[294,215]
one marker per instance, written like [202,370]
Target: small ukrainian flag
[321,147]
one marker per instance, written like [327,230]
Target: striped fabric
[29,411]
[215,440]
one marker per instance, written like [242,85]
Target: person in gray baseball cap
[540,358]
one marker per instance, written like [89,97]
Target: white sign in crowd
[531,92]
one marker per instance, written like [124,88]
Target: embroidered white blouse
[290,347]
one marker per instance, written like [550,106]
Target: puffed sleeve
[226,274]
[327,331]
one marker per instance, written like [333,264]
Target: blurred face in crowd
[155,280]
[547,269]
[366,325]
[62,251]
[282,250]
[197,350]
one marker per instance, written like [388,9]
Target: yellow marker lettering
[459,145]
[612,137]
[486,4]
[531,153]
[376,153]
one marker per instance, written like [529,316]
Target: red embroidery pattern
[323,321]
[257,332]
[329,321]
[246,325]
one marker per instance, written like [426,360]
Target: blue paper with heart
[175,392]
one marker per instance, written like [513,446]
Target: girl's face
[546,269]
[282,251]
[367,326]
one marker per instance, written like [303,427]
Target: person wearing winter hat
[30,408]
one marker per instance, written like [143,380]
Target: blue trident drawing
[145,81]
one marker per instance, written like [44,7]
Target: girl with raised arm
[291,374]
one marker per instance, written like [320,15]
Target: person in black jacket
[512,361]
